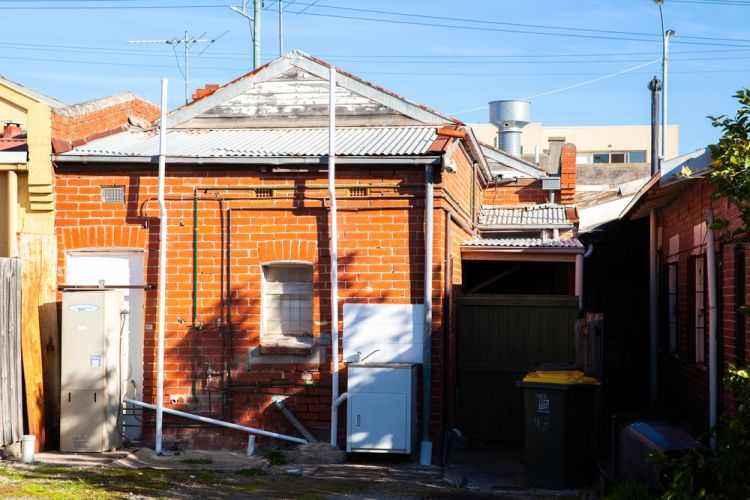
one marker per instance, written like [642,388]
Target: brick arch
[103,236]
[287,250]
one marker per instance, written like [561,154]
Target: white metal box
[381,407]
[91,361]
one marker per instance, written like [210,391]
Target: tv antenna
[187,44]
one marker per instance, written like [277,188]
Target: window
[287,305]
[739,300]
[672,306]
[617,158]
[636,157]
[697,299]
[583,158]
[601,157]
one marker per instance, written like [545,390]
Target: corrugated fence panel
[11,405]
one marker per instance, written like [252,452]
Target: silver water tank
[510,117]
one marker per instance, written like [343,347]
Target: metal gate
[11,392]
[500,337]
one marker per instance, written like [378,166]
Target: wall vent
[263,193]
[113,194]
[359,192]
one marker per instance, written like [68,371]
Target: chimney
[567,174]
[11,130]
[553,158]
[201,93]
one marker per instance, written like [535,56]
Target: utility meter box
[91,365]
[382,407]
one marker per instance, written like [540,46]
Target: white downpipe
[579,280]
[713,361]
[12,213]
[220,423]
[162,267]
[334,254]
[652,300]
[425,452]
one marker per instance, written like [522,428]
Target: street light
[666,34]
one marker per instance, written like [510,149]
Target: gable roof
[50,101]
[497,218]
[506,165]
[293,91]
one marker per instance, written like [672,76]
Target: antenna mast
[187,43]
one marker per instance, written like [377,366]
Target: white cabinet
[381,407]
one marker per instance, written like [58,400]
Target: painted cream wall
[34,210]
[587,139]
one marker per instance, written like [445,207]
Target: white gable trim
[303,61]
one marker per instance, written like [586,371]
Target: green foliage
[724,474]
[197,460]
[275,457]
[731,163]
[629,490]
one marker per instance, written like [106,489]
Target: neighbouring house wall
[381,260]
[520,192]
[683,381]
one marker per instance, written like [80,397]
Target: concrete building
[625,150]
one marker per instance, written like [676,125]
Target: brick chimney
[11,129]
[568,174]
[208,90]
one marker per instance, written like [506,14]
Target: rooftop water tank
[510,117]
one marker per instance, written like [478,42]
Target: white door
[118,268]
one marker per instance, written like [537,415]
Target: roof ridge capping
[92,105]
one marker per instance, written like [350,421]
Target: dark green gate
[500,337]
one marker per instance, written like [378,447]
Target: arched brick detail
[287,250]
[103,236]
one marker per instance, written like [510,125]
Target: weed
[275,457]
[254,472]
[197,461]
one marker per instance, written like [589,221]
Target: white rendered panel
[383,333]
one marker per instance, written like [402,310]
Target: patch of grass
[254,472]
[197,461]
[275,457]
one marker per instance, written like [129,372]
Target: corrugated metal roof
[532,215]
[277,142]
[518,243]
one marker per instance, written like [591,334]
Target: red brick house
[679,207]
[246,191]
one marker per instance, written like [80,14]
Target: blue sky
[452,56]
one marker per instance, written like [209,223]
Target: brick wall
[520,192]
[381,260]
[81,123]
[684,382]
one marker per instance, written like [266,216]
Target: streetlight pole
[665,35]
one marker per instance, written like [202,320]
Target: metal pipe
[279,403]
[256,34]
[12,213]
[334,252]
[281,28]
[713,361]
[194,386]
[579,281]
[425,457]
[664,74]
[163,221]
[343,397]
[654,86]
[653,303]
[220,423]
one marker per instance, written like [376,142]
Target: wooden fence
[11,393]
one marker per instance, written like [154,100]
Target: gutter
[521,227]
[244,160]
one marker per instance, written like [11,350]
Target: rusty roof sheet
[527,216]
[277,142]
[521,243]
